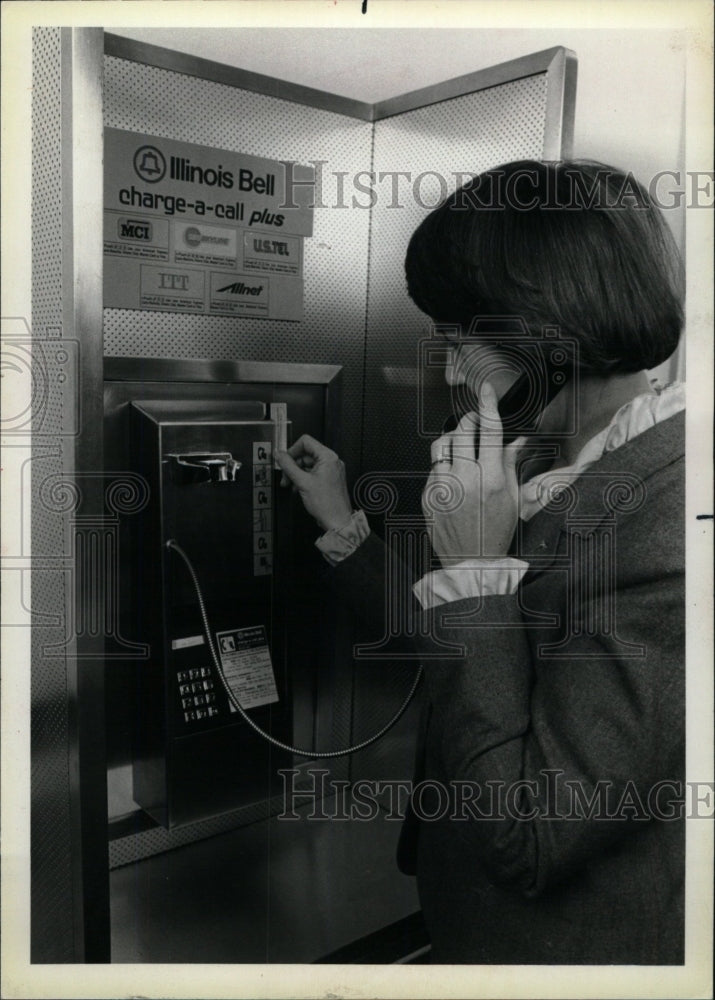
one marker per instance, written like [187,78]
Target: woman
[546,824]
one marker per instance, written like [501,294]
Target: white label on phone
[247,666]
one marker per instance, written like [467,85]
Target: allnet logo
[239,288]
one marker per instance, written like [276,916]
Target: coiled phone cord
[172,544]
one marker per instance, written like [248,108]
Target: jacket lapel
[615,484]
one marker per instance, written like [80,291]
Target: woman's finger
[441,450]
[309,446]
[490,428]
[291,470]
[511,453]
[463,437]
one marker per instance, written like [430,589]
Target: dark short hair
[573,244]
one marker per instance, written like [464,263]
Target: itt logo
[134,229]
[176,282]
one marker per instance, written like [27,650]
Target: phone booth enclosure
[205,453]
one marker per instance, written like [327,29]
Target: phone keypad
[198,697]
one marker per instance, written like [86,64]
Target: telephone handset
[521,406]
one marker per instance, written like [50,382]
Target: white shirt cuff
[471,578]
[339,543]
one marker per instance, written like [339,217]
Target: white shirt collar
[633,418]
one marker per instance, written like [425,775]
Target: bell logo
[149,164]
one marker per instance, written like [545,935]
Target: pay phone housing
[202,437]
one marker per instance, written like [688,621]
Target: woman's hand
[480,517]
[318,475]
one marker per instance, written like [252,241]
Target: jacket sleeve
[581,747]
[361,577]
[375,584]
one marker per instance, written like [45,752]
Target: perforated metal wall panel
[158,102]
[462,136]
[51,879]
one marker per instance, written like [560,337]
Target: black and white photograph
[357,536]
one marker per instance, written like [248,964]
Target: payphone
[247,671]
[202,435]
[209,469]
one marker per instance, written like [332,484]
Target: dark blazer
[548,825]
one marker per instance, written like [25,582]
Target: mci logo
[134,229]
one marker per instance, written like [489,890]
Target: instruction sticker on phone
[247,667]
